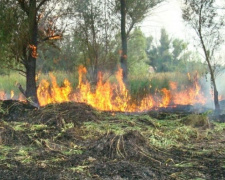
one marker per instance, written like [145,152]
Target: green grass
[8,82]
[141,86]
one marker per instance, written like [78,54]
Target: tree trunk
[216,101]
[123,57]
[31,89]
[215,91]
[207,58]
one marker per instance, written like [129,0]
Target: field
[75,141]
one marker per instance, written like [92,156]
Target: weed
[186,164]
[38,127]
[78,169]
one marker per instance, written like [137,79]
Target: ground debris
[75,141]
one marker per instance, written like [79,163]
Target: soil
[75,141]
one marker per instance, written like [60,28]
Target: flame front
[108,96]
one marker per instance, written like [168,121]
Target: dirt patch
[124,170]
[8,136]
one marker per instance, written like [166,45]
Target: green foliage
[93,36]
[10,28]
[8,82]
[159,83]
[139,88]
[137,57]
[136,11]
[169,55]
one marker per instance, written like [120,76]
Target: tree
[132,12]
[123,56]
[10,19]
[138,59]
[33,26]
[205,20]
[95,29]
[169,55]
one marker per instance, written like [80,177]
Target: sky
[169,16]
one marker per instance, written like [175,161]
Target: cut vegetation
[74,141]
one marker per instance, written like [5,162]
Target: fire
[55,37]
[34,51]
[114,96]
[166,98]
[53,94]
[191,96]
[3,95]
[108,96]
[12,94]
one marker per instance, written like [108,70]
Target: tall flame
[108,96]
[114,96]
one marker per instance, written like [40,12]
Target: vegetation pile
[75,141]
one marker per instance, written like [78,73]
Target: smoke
[207,89]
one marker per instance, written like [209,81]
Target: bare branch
[21,89]
[41,4]
[56,37]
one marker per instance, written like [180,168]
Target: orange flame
[108,96]
[192,95]
[55,37]
[114,96]
[34,51]
[3,95]
[166,98]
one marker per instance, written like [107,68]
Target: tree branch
[41,3]
[21,89]
[52,37]
[131,27]
[36,105]
[24,6]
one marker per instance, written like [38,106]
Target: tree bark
[207,58]
[123,57]
[30,65]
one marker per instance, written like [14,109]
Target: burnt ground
[75,141]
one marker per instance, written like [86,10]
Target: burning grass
[108,96]
[75,141]
[152,92]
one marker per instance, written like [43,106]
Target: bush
[139,88]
